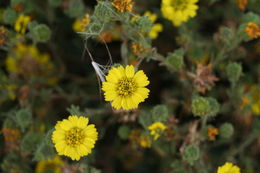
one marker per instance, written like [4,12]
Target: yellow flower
[179,11]
[21,23]
[80,24]
[156,28]
[252,30]
[156,129]
[53,165]
[145,141]
[123,5]
[26,60]
[73,137]
[137,139]
[228,168]
[125,88]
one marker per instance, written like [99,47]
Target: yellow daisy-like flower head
[73,137]
[156,129]
[228,168]
[125,88]
[21,23]
[53,165]
[156,28]
[179,11]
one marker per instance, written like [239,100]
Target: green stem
[203,123]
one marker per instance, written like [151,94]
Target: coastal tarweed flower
[26,60]
[3,35]
[228,168]
[145,142]
[252,30]
[212,132]
[156,28]
[156,129]
[74,137]
[123,5]
[125,87]
[21,23]
[80,24]
[242,4]
[51,165]
[138,139]
[138,49]
[179,11]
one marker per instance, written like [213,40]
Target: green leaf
[176,58]
[145,119]
[160,113]
[123,132]
[30,141]
[191,154]
[23,118]
[76,9]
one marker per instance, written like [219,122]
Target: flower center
[126,87]
[179,4]
[74,137]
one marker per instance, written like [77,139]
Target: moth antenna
[86,49]
[108,51]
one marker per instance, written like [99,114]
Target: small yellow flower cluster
[253,30]
[51,165]
[123,5]
[179,11]
[228,168]
[74,137]
[138,49]
[125,87]
[21,23]
[156,28]
[80,24]
[137,138]
[26,60]
[212,132]
[156,129]
[242,4]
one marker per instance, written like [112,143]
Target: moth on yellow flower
[125,88]
[179,11]
[228,168]
[74,137]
